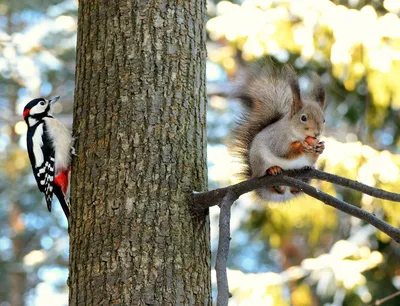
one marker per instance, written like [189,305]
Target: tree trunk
[139,117]
[16,271]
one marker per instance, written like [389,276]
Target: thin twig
[381,301]
[345,182]
[227,195]
[343,206]
[223,248]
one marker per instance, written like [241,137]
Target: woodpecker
[49,145]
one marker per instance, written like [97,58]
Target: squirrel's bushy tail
[266,91]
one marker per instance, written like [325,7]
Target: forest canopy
[299,253]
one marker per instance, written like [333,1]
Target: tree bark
[139,116]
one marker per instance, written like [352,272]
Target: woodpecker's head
[38,108]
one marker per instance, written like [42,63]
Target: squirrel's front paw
[307,148]
[320,147]
[275,170]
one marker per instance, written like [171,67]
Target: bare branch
[345,182]
[343,206]
[227,195]
[223,248]
[381,301]
[204,200]
[207,199]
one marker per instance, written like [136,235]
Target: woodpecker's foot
[278,189]
[274,170]
[73,151]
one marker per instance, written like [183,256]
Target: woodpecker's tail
[60,189]
[61,198]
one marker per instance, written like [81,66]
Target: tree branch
[228,195]
[345,182]
[384,300]
[223,248]
[207,199]
[343,206]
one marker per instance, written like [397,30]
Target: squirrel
[278,129]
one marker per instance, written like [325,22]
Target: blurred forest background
[300,253]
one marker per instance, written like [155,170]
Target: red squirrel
[278,129]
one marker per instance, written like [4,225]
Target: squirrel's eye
[303,118]
[42,103]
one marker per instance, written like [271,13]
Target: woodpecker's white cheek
[37,145]
[38,109]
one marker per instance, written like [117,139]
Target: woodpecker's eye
[42,103]
[303,118]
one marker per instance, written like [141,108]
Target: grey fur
[271,121]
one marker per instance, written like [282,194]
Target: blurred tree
[37,47]
[140,120]
[16,271]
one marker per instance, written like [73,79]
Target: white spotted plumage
[49,145]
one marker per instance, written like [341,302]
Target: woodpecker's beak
[54,99]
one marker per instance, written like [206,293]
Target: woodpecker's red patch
[26,112]
[62,180]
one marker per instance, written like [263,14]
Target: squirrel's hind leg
[275,170]
[278,189]
[294,190]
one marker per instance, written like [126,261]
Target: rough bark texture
[140,121]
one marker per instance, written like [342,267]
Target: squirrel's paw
[294,190]
[275,170]
[306,148]
[320,147]
[278,189]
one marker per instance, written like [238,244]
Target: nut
[312,141]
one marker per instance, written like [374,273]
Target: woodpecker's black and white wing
[41,155]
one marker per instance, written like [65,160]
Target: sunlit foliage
[354,46]
[299,253]
[359,47]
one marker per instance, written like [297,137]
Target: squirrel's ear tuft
[295,88]
[318,92]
